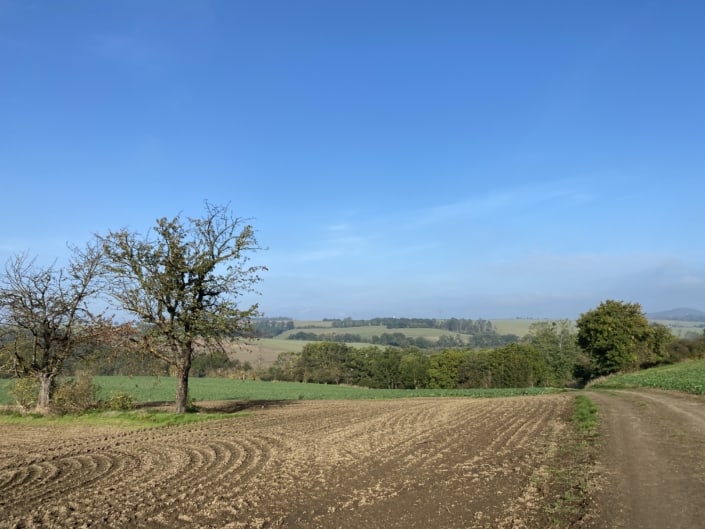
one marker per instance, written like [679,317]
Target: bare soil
[417,463]
[513,463]
[652,464]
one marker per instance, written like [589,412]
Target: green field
[683,329]
[368,331]
[263,352]
[685,376]
[163,389]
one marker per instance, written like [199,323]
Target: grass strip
[163,389]
[130,420]
[585,415]
[570,481]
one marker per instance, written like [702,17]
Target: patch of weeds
[119,400]
[570,477]
[585,415]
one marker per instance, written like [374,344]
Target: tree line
[616,336]
[398,339]
[459,325]
[545,357]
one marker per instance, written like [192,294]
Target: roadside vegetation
[585,415]
[684,376]
[573,480]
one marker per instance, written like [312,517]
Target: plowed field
[412,463]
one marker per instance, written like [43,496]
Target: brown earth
[652,466]
[509,463]
[417,463]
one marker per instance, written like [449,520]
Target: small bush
[120,401]
[191,406]
[76,395]
[26,392]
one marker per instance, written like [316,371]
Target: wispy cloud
[503,201]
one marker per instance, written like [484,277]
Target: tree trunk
[46,385]
[182,387]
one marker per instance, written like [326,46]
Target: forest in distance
[542,353]
[616,336]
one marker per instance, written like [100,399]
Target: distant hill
[682,314]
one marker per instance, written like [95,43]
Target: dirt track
[420,463]
[653,464]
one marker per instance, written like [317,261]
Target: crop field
[163,389]
[517,326]
[683,329]
[368,331]
[684,376]
[263,352]
[401,463]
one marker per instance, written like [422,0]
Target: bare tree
[46,315]
[183,281]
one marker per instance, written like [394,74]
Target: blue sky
[398,158]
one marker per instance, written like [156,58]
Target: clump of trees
[181,282]
[617,336]
[545,358]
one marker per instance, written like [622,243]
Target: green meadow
[163,389]
[686,376]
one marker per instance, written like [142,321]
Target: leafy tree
[47,318]
[511,366]
[413,369]
[613,334]
[557,342]
[476,371]
[183,281]
[323,361]
[360,366]
[385,368]
[285,367]
[443,368]
[657,350]
[687,348]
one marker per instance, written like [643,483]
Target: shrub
[120,400]
[76,395]
[26,392]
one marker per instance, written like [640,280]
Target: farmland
[293,460]
[162,389]
[262,353]
[403,463]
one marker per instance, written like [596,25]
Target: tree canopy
[46,315]
[614,335]
[183,281]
